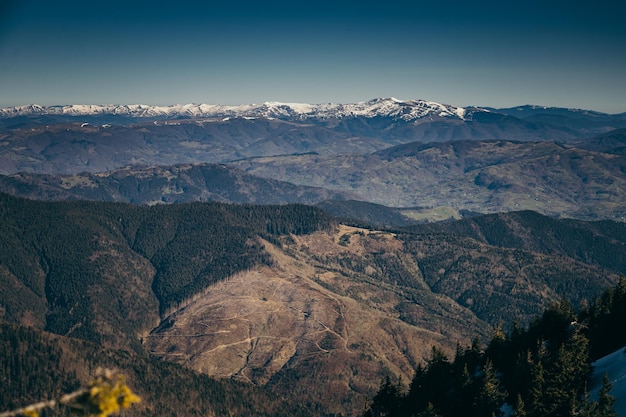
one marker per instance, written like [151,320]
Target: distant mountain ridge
[406,110]
[434,181]
[165,184]
[479,176]
[380,107]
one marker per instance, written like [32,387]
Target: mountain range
[301,252]
[390,107]
[435,181]
[407,110]
[384,111]
[415,155]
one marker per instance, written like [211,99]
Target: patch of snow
[613,365]
[507,410]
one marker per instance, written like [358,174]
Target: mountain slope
[600,243]
[479,176]
[585,122]
[314,329]
[78,147]
[613,142]
[164,184]
[37,366]
[454,177]
[282,296]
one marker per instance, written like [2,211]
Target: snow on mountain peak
[379,107]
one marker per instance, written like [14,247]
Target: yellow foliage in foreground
[106,394]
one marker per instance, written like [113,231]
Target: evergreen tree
[545,369]
[588,408]
[388,401]
[537,406]
[606,401]
[432,384]
[430,411]
[464,392]
[490,397]
[520,411]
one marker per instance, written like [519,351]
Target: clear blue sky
[485,53]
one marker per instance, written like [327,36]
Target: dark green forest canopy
[542,370]
[96,263]
[85,269]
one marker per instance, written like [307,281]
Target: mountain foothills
[283,259]
[425,181]
[167,184]
[281,297]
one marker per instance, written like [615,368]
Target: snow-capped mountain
[381,107]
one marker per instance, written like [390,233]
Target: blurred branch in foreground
[106,394]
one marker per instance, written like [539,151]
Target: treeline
[542,370]
[195,245]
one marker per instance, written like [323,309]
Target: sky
[483,53]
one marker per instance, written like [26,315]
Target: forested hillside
[284,297]
[36,366]
[598,242]
[103,272]
[181,183]
[542,370]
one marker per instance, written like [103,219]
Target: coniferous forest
[541,370]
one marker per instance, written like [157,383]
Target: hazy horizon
[487,54]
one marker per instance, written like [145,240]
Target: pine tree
[430,411]
[606,401]
[490,397]
[588,408]
[567,374]
[464,392]
[537,407]
[388,401]
[520,411]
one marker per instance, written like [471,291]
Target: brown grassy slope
[313,328]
